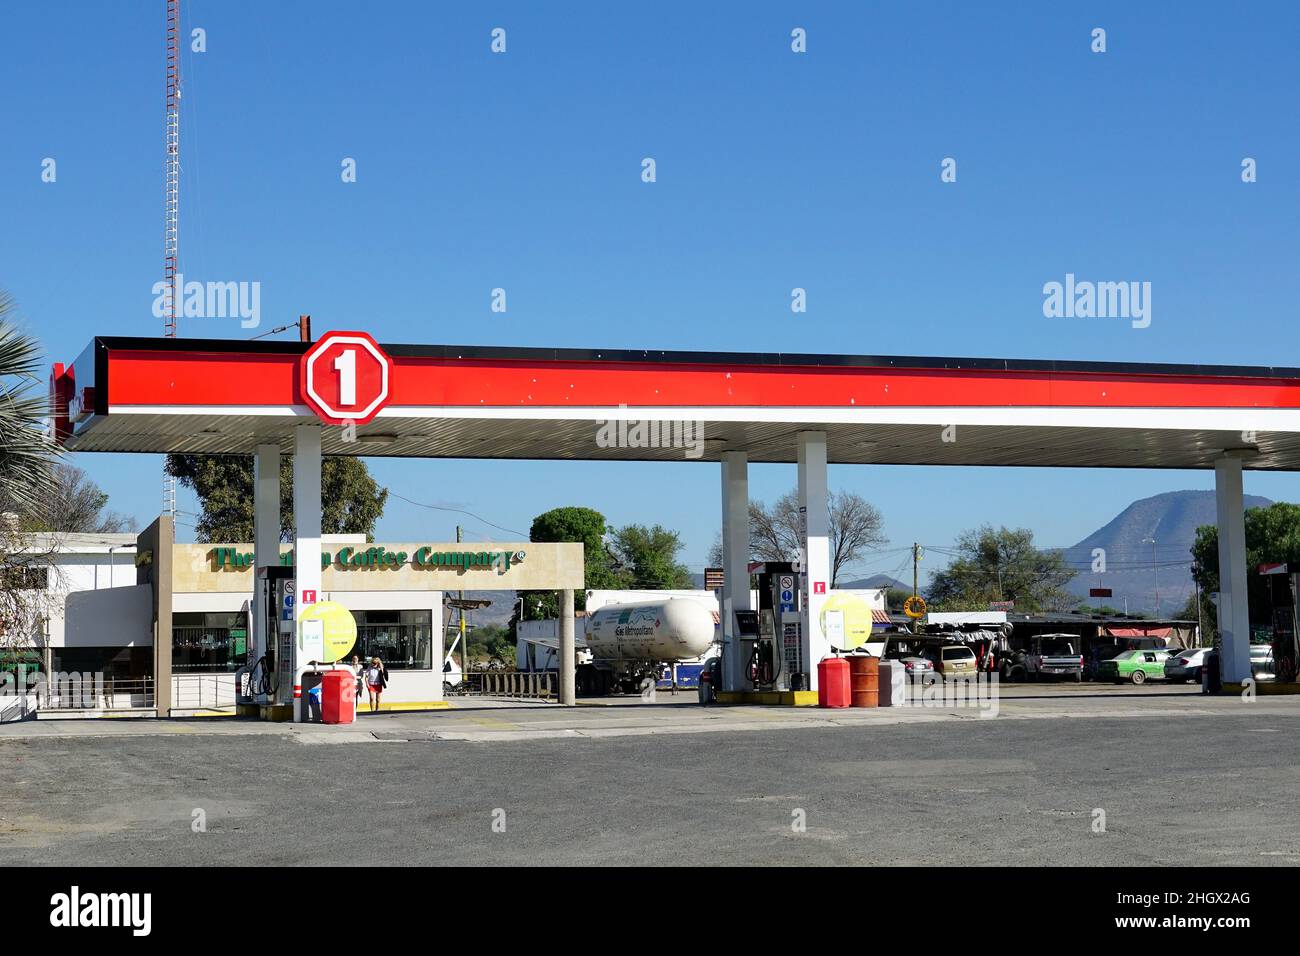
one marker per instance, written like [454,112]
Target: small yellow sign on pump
[327,631]
[856,616]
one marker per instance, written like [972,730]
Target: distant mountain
[875,581]
[1171,519]
[498,612]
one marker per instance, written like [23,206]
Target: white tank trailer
[629,641]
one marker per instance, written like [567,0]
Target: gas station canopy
[446,401]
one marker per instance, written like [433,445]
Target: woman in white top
[376,681]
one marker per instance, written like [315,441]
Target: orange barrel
[833,682]
[864,678]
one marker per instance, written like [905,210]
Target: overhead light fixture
[380,438]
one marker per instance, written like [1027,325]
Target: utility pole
[464,644]
[1200,627]
[916,560]
[1155,572]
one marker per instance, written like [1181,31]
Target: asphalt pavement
[1158,777]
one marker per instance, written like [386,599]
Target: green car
[1137,666]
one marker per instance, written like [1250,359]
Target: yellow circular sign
[856,618]
[337,631]
[914,607]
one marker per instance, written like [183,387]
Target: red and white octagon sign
[345,377]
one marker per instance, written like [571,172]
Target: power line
[459,511]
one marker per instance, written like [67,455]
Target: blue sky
[775,170]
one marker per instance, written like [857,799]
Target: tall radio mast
[171,202]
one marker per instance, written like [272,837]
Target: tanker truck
[620,644]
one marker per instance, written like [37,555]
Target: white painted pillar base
[815,512]
[307,522]
[1234,609]
[266,543]
[735,564]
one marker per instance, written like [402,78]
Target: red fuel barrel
[833,682]
[864,677]
[338,697]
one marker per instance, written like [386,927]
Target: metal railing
[539,685]
[203,692]
[113,693]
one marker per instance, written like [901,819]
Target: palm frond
[27,451]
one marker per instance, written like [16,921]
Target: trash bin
[864,679]
[710,680]
[311,696]
[833,687]
[338,697]
[1211,674]
[893,678]
[705,687]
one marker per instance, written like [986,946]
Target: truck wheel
[1139,677]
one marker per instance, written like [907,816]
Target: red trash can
[833,686]
[338,697]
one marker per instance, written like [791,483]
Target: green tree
[1272,536]
[1001,565]
[647,557]
[351,500]
[894,599]
[488,641]
[76,504]
[574,524]
[776,533]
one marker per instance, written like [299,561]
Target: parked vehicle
[953,660]
[1186,665]
[1135,666]
[916,667]
[1054,655]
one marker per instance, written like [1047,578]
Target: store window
[115,663]
[403,640]
[209,642]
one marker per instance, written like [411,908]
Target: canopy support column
[1234,609]
[735,565]
[306,546]
[814,513]
[568,674]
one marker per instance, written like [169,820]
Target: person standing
[359,677]
[376,681]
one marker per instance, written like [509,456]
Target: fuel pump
[271,657]
[775,659]
[1286,632]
